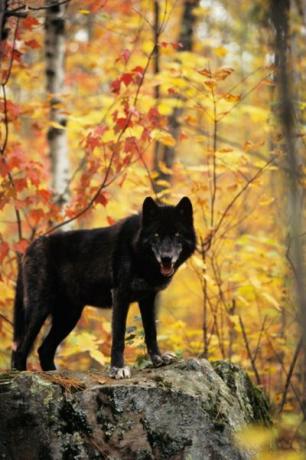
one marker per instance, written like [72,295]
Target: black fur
[113,266]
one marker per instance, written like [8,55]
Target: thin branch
[262,329]
[46,7]
[104,183]
[280,361]
[241,191]
[290,373]
[214,186]
[6,319]
[10,66]
[5,120]
[251,358]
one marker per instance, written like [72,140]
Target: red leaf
[34,176]
[45,195]
[116,86]
[110,220]
[32,44]
[4,169]
[154,117]
[122,123]
[138,69]
[29,22]
[126,55]
[36,215]
[177,45]
[127,78]
[20,184]
[145,136]
[92,142]
[4,249]
[21,246]
[100,129]
[102,199]
[130,144]
[183,136]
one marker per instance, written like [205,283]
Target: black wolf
[113,266]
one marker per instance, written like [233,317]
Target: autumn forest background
[105,102]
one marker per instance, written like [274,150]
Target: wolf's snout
[166,261]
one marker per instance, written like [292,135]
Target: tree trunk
[280,10]
[3,7]
[166,154]
[55,72]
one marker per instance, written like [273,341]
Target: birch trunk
[55,72]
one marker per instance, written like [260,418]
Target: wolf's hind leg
[34,323]
[63,321]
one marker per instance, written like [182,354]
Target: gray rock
[188,410]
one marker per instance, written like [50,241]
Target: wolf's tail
[19,313]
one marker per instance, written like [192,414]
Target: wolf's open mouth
[166,270]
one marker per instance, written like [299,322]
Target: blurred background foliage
[164,98]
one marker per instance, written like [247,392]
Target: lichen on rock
[188,410]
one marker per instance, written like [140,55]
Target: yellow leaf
[163,137]
[164,169]
[271,300]
[225,150]
[223,73]
[267,201]
[255,437]
[231,97]
[56,125]
[97,355]
[211,84]
[163,183]
[220,51]
[205,72]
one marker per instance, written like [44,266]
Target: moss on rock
[188,410]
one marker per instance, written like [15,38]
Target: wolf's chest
[139,284]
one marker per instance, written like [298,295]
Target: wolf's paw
[120,372]
[164,359]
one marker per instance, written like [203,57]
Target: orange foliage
[232,301]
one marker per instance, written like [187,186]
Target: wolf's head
[167,233]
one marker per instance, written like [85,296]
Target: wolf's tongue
[166,270]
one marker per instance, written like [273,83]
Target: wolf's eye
[177,234]
[156,235]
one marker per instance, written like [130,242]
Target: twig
[104,183]
[289,375]
[6,128]
[6,320]
[214,187]
[260,337]
[241,191]
[251,358]
[279,359]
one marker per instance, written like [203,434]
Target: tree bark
[55,72]
[166,154]
[280,10]
[3,5]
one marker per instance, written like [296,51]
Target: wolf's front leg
[120,311]
[148,314]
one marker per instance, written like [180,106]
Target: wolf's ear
[184,209]
[149,210]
